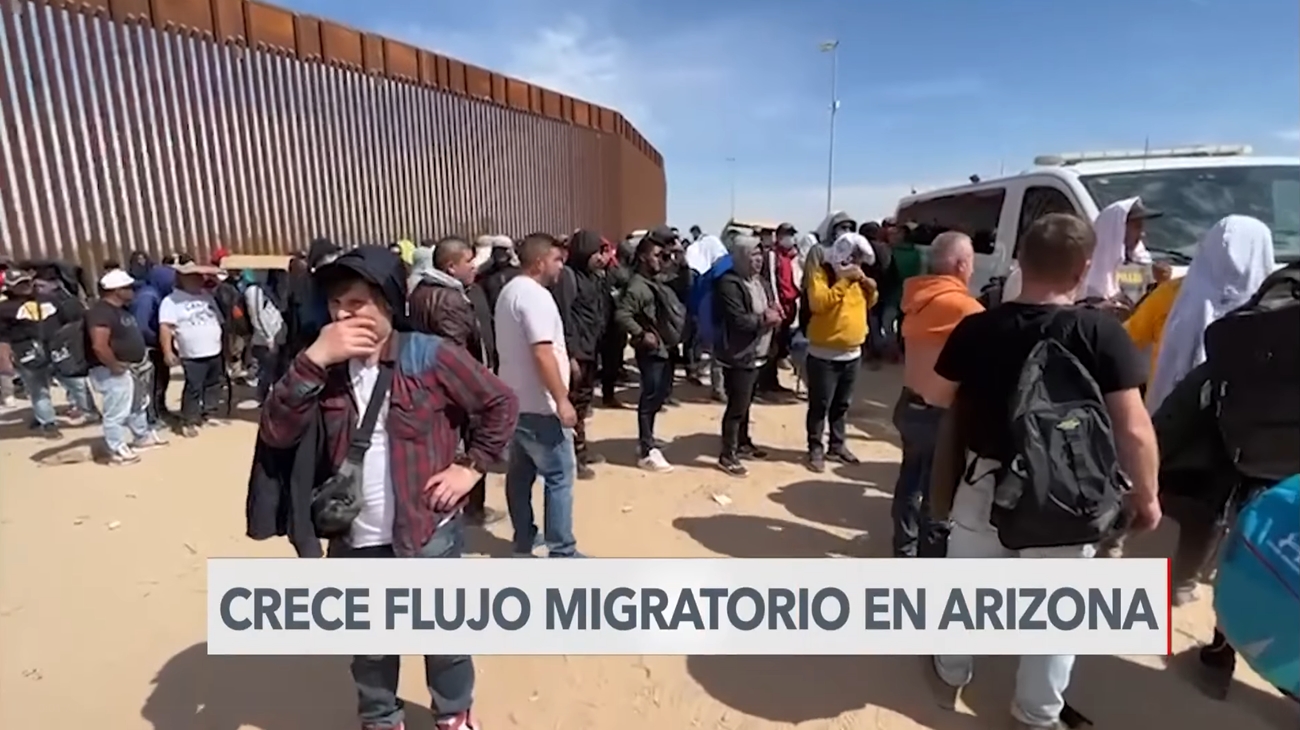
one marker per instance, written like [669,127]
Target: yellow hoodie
[932,306]
[838,312]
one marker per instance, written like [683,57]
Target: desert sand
[102,585]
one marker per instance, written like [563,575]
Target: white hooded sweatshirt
[1102,279]
[1231,262]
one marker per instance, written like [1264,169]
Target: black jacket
[737,328]
[280,489]
[582,298]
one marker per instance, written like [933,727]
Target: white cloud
[578,58]
[1290,135]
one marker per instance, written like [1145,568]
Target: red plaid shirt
[426,413]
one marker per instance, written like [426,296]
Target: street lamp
[831,47]
[731,170]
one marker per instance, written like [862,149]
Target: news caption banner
[689,606]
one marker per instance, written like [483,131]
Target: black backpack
[67,348]
[1064,485]
[1253,354]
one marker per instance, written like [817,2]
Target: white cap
[115,279]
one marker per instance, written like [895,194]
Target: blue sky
[930,91]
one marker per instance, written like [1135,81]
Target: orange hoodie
[932,307]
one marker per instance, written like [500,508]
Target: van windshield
[1194,199]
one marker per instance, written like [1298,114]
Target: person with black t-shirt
[983,357]
[120,369]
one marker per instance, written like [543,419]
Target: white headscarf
[1231,262]
[701,255]
[1102,279]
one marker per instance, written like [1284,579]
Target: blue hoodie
[148,297]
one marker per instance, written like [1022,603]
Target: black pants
[830,390]
[611,359]
[198,399]
[739,384]
[582,391]
[162,376]
[656,382]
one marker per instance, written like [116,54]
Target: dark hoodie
[150,290]
[303,319]
[583,298]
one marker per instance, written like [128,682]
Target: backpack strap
[417,351]
[360,441]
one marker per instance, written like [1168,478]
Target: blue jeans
[1041,681]
[914,532]
[123,412]
[78,390]
[656,385]
[37,385]
[450,678]
[542,447]
[38,382]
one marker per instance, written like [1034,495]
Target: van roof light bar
[1205,150]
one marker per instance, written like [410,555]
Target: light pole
[831,47]
[731,170]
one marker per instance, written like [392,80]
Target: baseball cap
[662,235]
[17,276]
[786,229]
[1140,211]
[115,279]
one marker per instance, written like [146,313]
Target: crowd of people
[392,379]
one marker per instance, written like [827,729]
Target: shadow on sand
[194,691]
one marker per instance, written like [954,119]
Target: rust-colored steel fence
[165,125]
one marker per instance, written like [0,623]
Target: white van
[1192,186]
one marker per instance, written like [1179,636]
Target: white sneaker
[151,441]
[655,462]
[126,455]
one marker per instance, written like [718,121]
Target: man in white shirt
[189,330]
[535,364]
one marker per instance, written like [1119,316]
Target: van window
[1194,199]
[1039,201]
[975,213]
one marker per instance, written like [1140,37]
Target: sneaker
[718,396]
[49,432]
[126,455]
[585,472]
[189,431]
[843,456]
[946,695]
[816,461]
[655,462]
[672,402]
[486,516]
[613,402]
[463,721]
[150,441]
[731,465]
[750,451]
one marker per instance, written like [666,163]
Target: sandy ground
[102,598]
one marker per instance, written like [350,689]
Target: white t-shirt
[526,315]
[197,321]
[374,526]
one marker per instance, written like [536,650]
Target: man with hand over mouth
[408,477]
